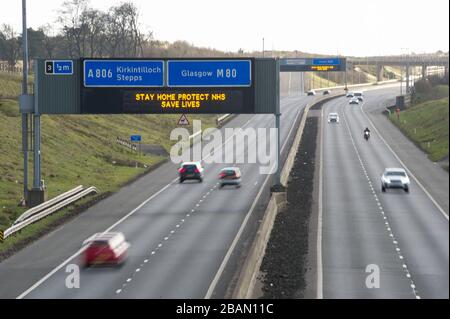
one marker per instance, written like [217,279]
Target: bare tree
[94,23]
[49,41]
[124,36]
[73,28]
[9,44]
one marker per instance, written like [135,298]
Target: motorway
[403,235]
[180,234]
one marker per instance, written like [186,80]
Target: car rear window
[190,168]
[229,172]
[100,243]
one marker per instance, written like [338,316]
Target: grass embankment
[427,123]
[11,85]
[316,81]
[76,150]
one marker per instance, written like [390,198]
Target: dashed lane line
[388,228]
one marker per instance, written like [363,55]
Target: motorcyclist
[366,133]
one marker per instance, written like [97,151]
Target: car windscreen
[403,174]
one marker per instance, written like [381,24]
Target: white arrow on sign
[183,120]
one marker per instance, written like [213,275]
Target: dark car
[191,170]
[311,92]
[326,92]
[230,176]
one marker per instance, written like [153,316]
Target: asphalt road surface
[179,233]
[403,235]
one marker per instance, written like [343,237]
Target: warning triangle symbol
[183,120]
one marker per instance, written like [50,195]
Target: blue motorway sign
[123,73]
[326,61]
[209,73]
[135,138]
[59,67]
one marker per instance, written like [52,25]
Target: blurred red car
[105,249]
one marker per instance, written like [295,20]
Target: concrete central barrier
[248,274]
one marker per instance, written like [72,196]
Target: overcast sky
[346,27]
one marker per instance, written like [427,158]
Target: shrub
[423,86]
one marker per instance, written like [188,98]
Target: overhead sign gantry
[313,64]
[159,86]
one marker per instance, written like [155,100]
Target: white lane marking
[57,268]
[404,166]
[244,223]
[319,261]
[405,267]
[234,243]
[52,272]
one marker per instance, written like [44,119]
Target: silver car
[230,176]
[394,178]
[354,100]
[333,118]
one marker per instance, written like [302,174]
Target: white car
[350,94]
[394,178]
[311,92]
[354,100]
[333,118]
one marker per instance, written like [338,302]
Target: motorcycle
[366,135]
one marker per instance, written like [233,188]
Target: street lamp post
[25,92]
[263,47]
